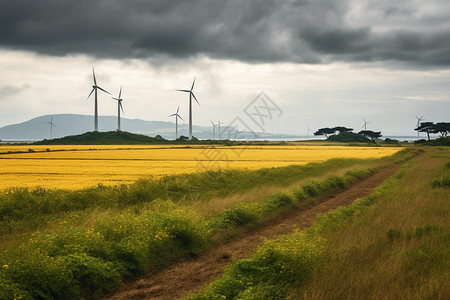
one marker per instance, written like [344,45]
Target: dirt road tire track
[191,275]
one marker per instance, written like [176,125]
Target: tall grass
[396,249]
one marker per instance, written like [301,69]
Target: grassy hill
[104,138]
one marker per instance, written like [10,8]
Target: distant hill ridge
[38,128]
[104,138]
[126,138]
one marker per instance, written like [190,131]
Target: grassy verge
[393,244]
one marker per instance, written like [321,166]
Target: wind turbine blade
[53,125]
[120,93]
[120,104]
[178,109]
[117,99]
[180,117]
[103,90]
[195,98]
[93,73]
[90,93]
[172,115]
[187,91]
[213,123]
[193,82]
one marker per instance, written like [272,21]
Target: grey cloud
[254,31]
[8,90]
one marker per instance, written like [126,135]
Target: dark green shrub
[394,234]
[443,182]
[94,275]
[312,189]
[278,200]
[43,277]
[300,195]
[239,215]
[10,290]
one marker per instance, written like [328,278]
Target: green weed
[443,182]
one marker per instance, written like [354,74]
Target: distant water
[403,138]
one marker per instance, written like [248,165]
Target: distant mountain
[71,124]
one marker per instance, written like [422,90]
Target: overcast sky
[322,62]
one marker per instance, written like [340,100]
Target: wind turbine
[218,123]
[365,124]
[176,115]
[119,107]
[191,94]
[51,127]
[95,87]
[309,130]
[418,123]
[214,129]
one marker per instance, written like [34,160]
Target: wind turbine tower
[365,124]
[191,95]
[95,87]
[119,107]
[51,127]
[214,129]
[176,115]
[218,123]
[419,120]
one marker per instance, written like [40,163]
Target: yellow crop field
[71,167]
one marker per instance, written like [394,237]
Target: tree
[429,127]
[342,129]
[325,131]
[443,128]
[182,138]
[370,134]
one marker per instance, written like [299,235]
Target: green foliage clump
[269,273]
[391,141]
[349,137]
[247,213]
[443,182]
[442,141]
[91,261]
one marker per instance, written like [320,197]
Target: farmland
[73,167]
[82,243]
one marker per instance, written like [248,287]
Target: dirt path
[193,274]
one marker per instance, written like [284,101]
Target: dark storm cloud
[303,31]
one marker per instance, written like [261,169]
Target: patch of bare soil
[192,275]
